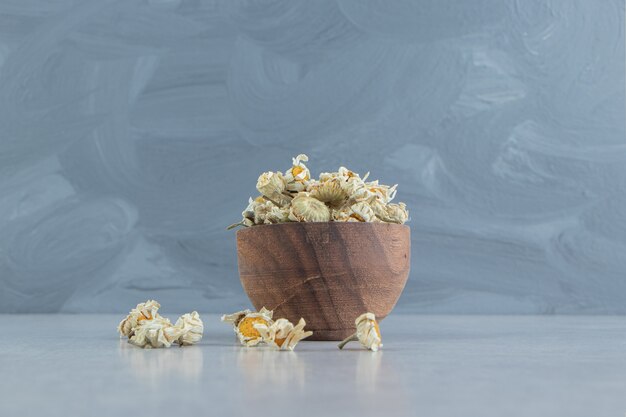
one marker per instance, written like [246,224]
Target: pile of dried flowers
[146,328]
[341,196]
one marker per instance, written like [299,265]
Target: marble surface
[132,132]
[75,365]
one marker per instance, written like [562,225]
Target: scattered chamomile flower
[143,311]
[145,328]
[367,333]
[243,325]
[191,328]
[282,334]
[235,318]
[155,333]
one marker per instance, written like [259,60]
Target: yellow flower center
[246,326]
[356,216]
[296,170]
[144,317]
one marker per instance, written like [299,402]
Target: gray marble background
[132,133]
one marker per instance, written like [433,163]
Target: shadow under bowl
[327,273]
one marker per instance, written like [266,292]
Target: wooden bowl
[327,273]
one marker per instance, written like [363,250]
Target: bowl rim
[317,224]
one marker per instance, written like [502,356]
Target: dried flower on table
[191,328]
[155,333]
[243,325]
[143,311]
[145,328]
[282,334]
[235,318]
[367,333]
[336,196]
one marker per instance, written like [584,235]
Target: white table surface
[75,365]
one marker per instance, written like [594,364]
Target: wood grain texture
[327,273]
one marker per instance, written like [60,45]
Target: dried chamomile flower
[367,333]
[261,211]
[326,176]
[248,213]
[357,194]
[143,311]
[330,192]
[155,333]
[397,213]
[147,329]
[357,212]
[384,193]
[356,189]
[379,209]
[362,212]
[243,324]
[269,213]
[391,213]
[342,216]
[191,329]
[282,334]
[343,173]
[235,318]
[308,209]
[272,186]
[277,215]
[297,177]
